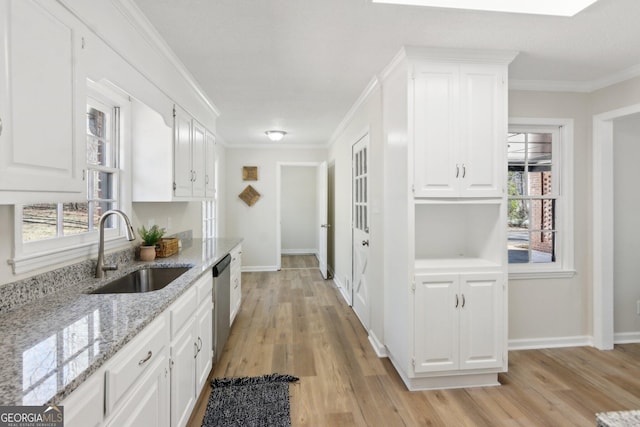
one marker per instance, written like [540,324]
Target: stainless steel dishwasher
[221,305]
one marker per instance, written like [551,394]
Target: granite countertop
[49,346]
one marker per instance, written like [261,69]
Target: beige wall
[558,308]
[257,224]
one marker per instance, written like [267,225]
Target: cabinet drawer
[133,360]
[182,310]
[204,287]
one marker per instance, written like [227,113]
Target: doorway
[302,211]
[604,275]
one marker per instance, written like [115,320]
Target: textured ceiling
[300,65]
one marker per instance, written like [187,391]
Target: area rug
[249,402]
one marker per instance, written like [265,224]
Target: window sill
[53,259]
[548,274]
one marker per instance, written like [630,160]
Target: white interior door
[360,228]
[323,197]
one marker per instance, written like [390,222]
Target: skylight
[536,7]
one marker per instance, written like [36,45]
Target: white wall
[298,209]
[366,118]
[626,217]
[257,224]
[555,309]
[174,216]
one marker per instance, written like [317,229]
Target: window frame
[30,256]
[562,160]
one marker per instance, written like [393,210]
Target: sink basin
[144,280]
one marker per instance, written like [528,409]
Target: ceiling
[300,65]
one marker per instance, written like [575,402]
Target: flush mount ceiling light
[275,135]
[536,7]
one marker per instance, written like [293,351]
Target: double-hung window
[539,213]
[50,233]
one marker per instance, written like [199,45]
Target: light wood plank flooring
[294,322]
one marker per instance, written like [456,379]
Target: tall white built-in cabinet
[445,124]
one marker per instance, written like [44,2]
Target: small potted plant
[150,237]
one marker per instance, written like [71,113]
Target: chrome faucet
[100,266]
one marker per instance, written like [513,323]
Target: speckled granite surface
[51,344]
[618,419]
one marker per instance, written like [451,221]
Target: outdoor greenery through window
[48,221]
[532,187]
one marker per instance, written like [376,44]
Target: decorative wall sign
[249,195]
[249,173]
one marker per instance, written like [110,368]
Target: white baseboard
[299,252]
[626,337]
[555,342]
[257,268]
[378,347]
[342,290]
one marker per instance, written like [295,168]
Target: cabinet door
[210,166]
[204,361]
[85,406]
[435,111]
[198,160]
[42,102]
[483,130]
[182,171]
[183,378]
[481,320]
[436,323]
[148,405]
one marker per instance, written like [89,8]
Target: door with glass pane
[360,229]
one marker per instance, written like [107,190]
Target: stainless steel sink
[144,280]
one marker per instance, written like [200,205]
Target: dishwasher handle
[221,266]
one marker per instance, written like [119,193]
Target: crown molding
[572,86]
[374,83]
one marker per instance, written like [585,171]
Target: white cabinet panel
[436,323]
[198,159]
[481,321]
[85,406]
[204,359]
[210,165]
[42,109]
[458,322]
[459,125]
[183,173]
[236,282]
[148,405]
[183,361]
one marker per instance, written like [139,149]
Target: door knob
[365,243]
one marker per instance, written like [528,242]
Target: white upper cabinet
[170,163]
[42,106]
[459,129]
[210,165]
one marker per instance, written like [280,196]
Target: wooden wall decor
[249,195]
[249,173]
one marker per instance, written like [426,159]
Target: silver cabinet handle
[365,243]
[464,170]
[200,346]
[146,359]
[0,126]
[463,301]
[195,347]
[457,171]
[457,301]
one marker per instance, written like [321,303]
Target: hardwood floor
[293,322]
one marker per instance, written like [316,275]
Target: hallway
[293,322]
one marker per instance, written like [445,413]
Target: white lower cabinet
[85,406]
[236,282]
[458,322]
[148,403]
[191,348]
[156,378]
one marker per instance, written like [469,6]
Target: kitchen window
[49,233]
[539,213]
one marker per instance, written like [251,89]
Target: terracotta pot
[147,253]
